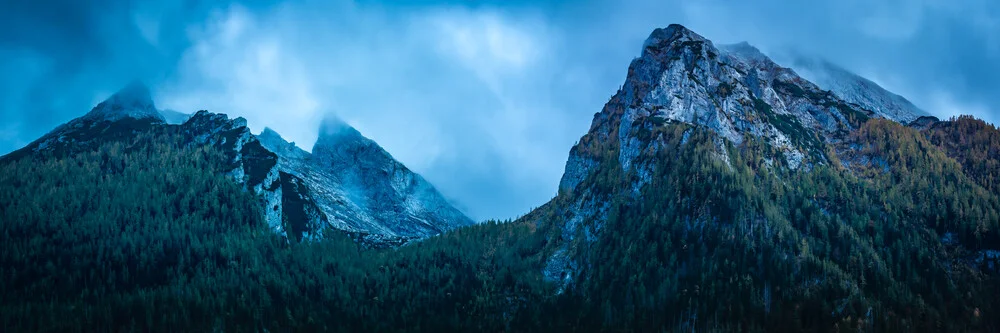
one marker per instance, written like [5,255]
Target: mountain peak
[852,87]
[333,126]
[132,101]
[334,131]
[661,38]
[270,134]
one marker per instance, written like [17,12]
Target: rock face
[708,156]
[361,189]
[735,91]
[681,77]
[855,89]
[349,184]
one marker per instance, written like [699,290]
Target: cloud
[452,92]
[236,66]
[483,98]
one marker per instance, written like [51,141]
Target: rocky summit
[716,191]
[349,184]
[362,189]
[711,157]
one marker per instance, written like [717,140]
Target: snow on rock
[734,91]
[361,189]
[855,89]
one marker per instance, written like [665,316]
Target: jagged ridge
[363,189]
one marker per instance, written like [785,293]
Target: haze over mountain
[716,190]
[499,166]
[527,74]
[350,184]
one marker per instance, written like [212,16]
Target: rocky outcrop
[855,89]
[681,78]
[349,184]
[362,190]
[924,122]
[249,163]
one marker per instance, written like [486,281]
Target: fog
[484,99]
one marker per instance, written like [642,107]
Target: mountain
[132,101]
[363,189]
[129,110]
[352,185]
[715,191]
[718,190]
[855,89]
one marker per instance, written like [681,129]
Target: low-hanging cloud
[454,93]
[483,98]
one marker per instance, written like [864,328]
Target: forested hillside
[715,191]
[889,242]
[148,234]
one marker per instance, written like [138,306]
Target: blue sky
[483,98]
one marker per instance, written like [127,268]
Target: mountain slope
[125,113]
[368,194]
[688,197]
[855,89]
[362,189]
[187,227]
[716,191]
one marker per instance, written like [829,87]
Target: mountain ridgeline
[715,191]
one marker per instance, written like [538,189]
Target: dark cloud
[484,98]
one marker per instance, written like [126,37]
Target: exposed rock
[681,77]
[855,89]
[924,122]
[362,190]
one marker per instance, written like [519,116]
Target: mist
[484,99]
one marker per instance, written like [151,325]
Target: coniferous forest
[147,232]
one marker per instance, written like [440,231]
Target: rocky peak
[334,132]
[360,188]
[339,144]
[212,123]
[132,101]
[853,88]
[665,38]
[269,135]
[735,91]
[274,142]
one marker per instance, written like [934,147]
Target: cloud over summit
[482,98]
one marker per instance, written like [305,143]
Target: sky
[482,98]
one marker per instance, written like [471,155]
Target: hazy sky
[483,98]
